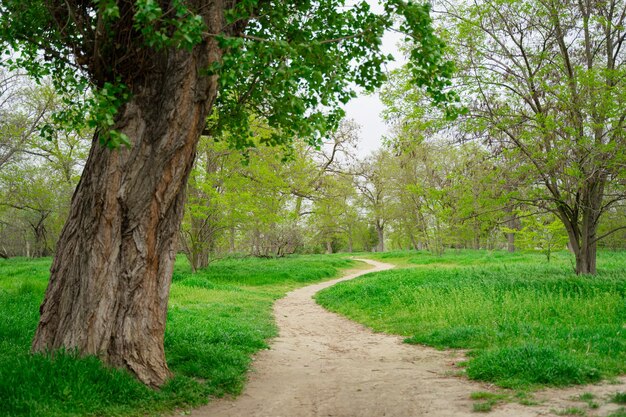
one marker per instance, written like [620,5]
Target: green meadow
[218,318]
[526,322]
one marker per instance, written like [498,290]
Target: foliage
[540,232]
[527,323]
[619,397]
[272,202]
[217,319]
[37,175]
[294,63]
[310,56]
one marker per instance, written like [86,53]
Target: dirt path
[325,365]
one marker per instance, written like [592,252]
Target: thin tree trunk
[380,247]
[232,239]
[110,279]
[476,240]
[414,243]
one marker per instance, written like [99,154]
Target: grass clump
[482,407]
[486,395]
[571,411]
[217,319]
[486,400]
[525,398]
[619,398]
[528,323]
[588,397]
[621,412]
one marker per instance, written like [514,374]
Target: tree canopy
[292,63]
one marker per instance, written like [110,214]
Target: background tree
[37,176]
[372,179]
[542,232]
[205,220]
[23,106]
[545,80]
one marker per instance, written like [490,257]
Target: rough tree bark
[583,235]
[111,275]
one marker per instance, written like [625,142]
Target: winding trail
[325,365]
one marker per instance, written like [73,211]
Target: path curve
[322,364]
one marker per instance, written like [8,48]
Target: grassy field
[217,319]
[527,323]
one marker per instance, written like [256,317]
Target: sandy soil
[325,365]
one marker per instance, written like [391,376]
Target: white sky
[366,110]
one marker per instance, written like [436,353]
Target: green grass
[621,412]
[619,398]
[486,400]
[482,407]
[527,323]
[571,411]
[589,398]
[217,319]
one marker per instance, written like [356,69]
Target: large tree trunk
[584,247]
[583,235]
[110,279]
[586,259]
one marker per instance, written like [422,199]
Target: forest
[180,165]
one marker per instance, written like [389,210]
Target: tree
[37,176]
[374,183]
[541,232]
[544,82]
[22,108]
[333,214]
[203,221]
[156,69]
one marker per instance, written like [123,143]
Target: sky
[366,109]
